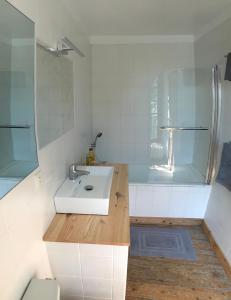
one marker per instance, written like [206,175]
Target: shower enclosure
[158,109]
[183,129]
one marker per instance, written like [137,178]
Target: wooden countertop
[113,229]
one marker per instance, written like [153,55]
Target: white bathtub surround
[168,201]
[88,271]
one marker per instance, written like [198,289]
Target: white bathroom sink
[72,197]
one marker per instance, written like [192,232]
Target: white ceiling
[148,17]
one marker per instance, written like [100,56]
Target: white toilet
[39,289]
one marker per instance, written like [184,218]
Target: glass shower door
[181,127]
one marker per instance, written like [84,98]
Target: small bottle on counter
[90,157]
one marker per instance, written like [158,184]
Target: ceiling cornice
[212,25]
[140,39]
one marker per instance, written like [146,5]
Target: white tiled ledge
[87,271]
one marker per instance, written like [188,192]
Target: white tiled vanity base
[89,272]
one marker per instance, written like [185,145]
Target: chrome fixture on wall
[99,134]
[64,46]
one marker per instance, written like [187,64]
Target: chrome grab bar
[15,126]
[182,128]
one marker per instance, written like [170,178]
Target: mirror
[18,151]
[55,100]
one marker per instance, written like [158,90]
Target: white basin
[72,197]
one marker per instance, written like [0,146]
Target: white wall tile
[169,201]
[128,80]
[127,153]
[98,288]
[63,297]
[132,200]
[128,129]
[178,202]
[144,204]
[120,262]
[97,267]
[141,99]
[119,290]
[92,269]
[93,298]
[142,153]
[56,101]
[161,198]
[192,202]
[142,129]
[96,250]
[64,259]
[127,102]
[70,286]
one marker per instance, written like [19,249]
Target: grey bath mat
[173,243]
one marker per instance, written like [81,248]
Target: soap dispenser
[90,157]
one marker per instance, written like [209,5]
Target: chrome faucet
[75,173]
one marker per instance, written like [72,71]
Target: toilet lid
[39,289]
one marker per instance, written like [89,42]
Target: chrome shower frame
[215,129]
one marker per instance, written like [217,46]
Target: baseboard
[217,249]
[165,221]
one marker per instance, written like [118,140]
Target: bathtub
[159,193]
[168,201]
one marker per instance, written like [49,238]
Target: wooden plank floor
[151,278]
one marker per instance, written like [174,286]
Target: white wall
[132,88]
[55,115]
[27,210]
[210,49]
